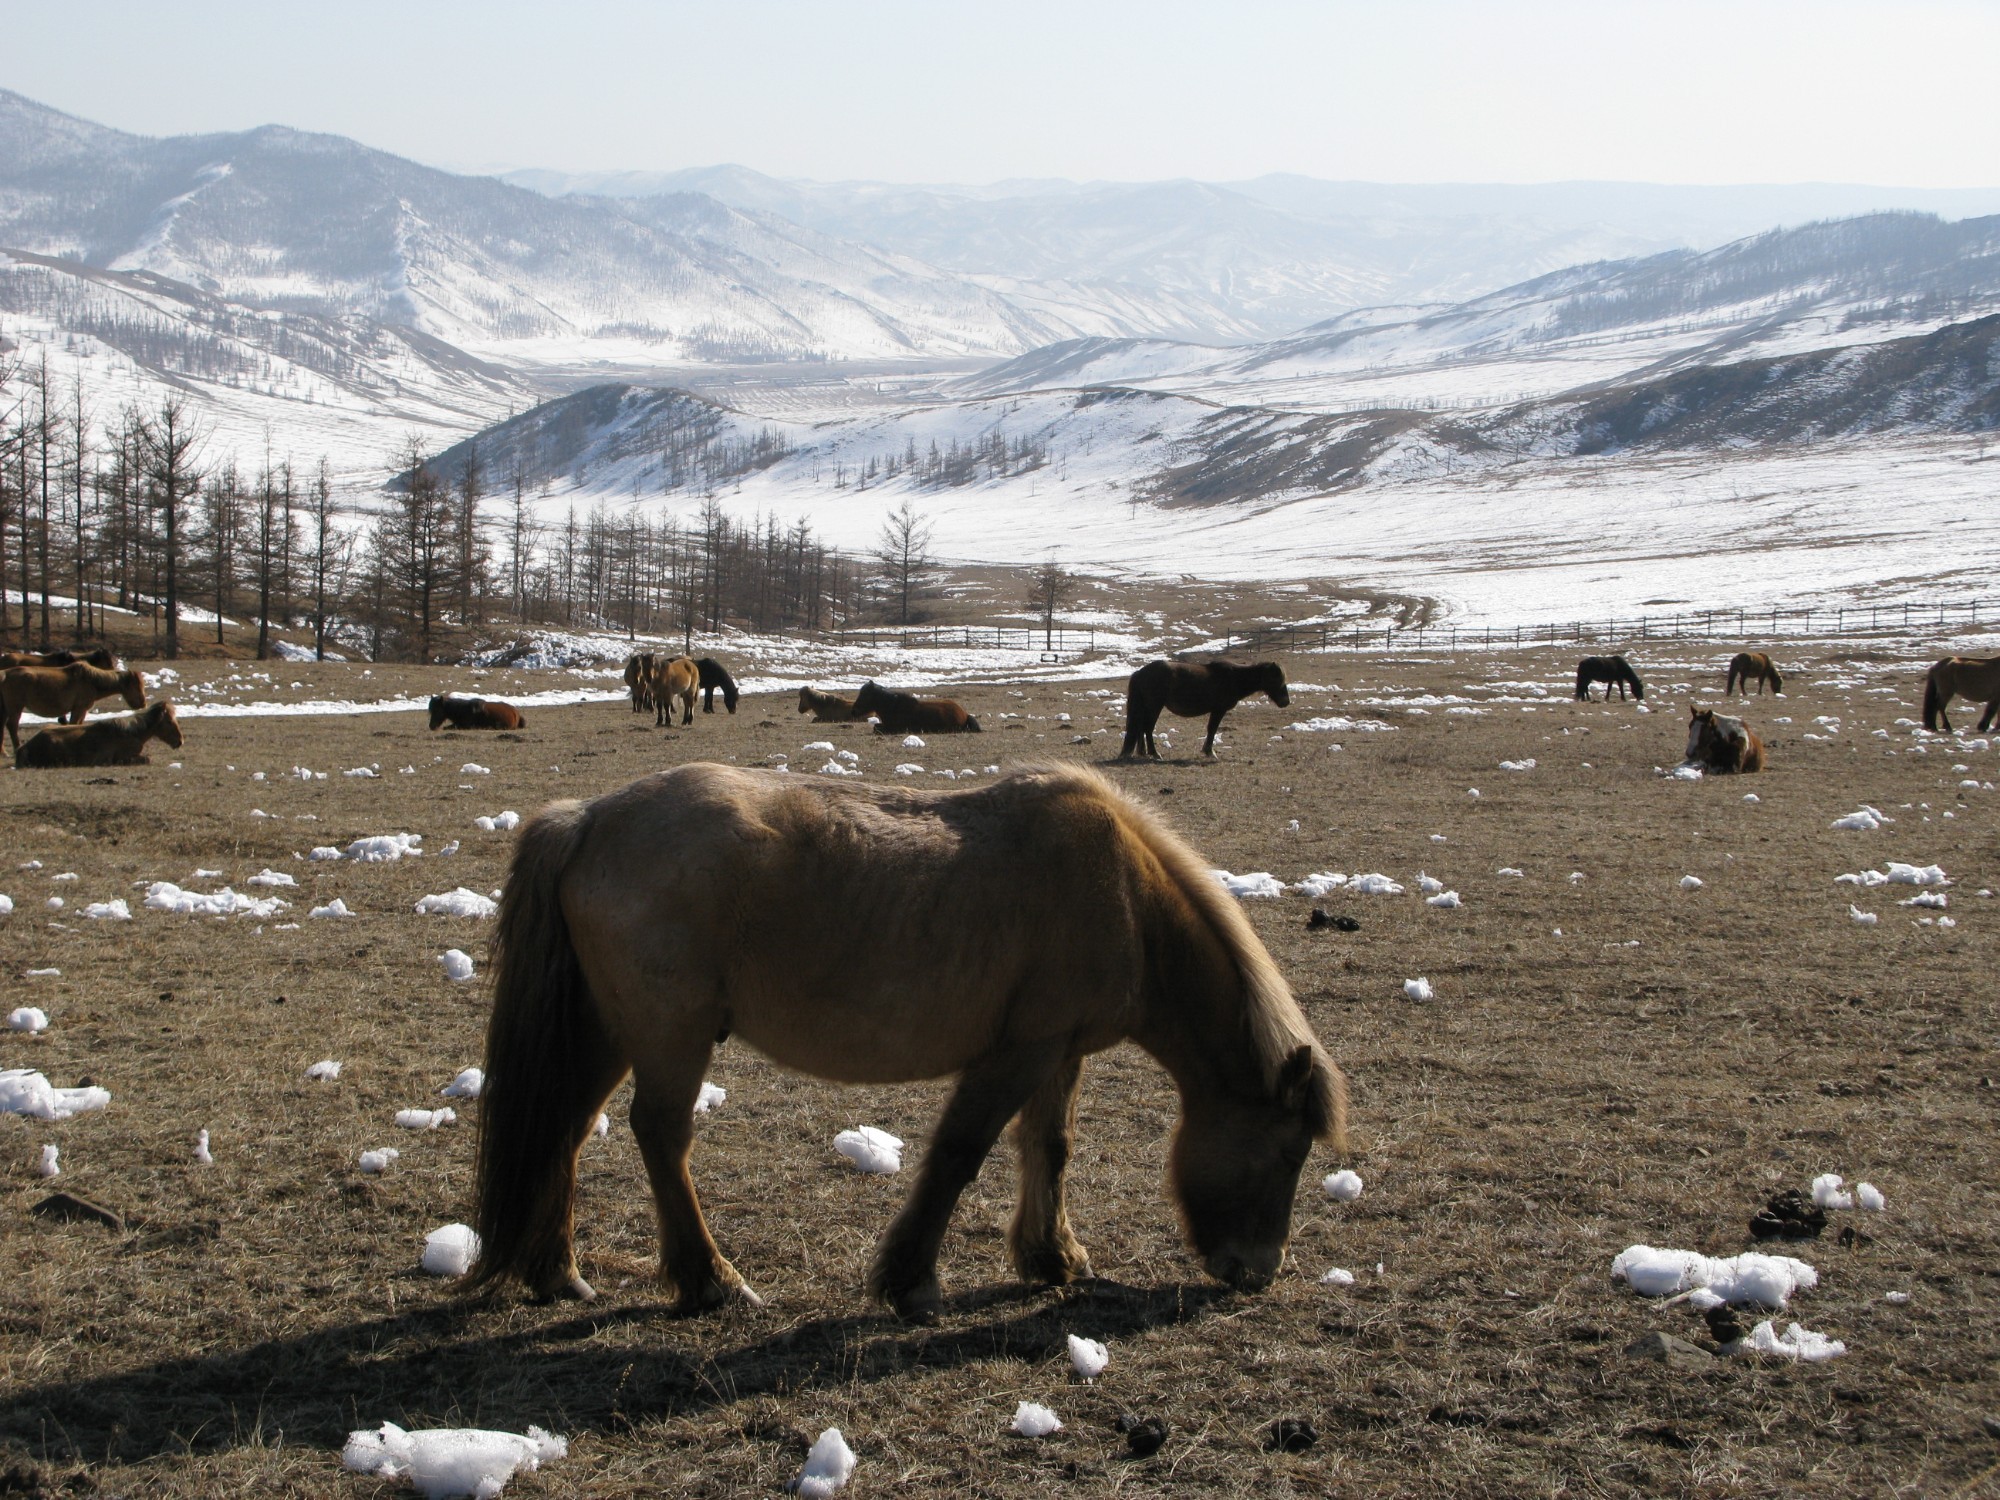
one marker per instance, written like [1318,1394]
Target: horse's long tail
[1277,1026]
[1933,701]
[549,1065]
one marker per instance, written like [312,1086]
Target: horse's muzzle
[1245,1271]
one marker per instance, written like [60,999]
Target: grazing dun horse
[675,680]
[715,675]
[1974,677]
[63,693]
[1212,688]
[906,713]
[1612,671]
[106,742]
[475,713]
[825,708]
[1721,744]
[882,935]
[1746,667]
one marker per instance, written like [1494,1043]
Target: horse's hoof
[580,1289]
[919,1309]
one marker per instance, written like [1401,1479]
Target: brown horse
[1746,667]
[1612,671]
[475,713]
[108,742]
[1974,677]
[63,693]
[639,680]
[1213,688]
[1722,744]
[906,713]
[879,935]
[97,656]
[826,708]
[675,679]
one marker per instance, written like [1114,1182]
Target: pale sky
[1899,92]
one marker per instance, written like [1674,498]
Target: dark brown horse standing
[1746,667]
[877,935]
[1212,688]
[475,713]
[715,675]
[96,656]
[1612,671]
[639,680]
[107,742]
[906,713]
[1974,677]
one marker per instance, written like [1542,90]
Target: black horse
[1212,688]
[714,675]
[1612,671]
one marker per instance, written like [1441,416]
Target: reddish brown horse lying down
[97,656]
[63,693]
[108,742]
[906,713]
[475,713]
[883,935]
[1213,688]
[1722,744]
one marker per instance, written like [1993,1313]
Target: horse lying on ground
[826,708]
[714,675]
[1213,688]
[1722,744]
[1746,667]
[108,742]
[475,713]
[97,656]
[881,935]
[639,680]
[1612,671]
[63,693]
[906,713]
[1974,677]
[675,680]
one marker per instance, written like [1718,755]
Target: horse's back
[866,934]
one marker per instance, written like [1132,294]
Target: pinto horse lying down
[881,935]
[1720,744]
[474,713]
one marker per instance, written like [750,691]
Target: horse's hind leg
[665,1085]
[1039,1240]
[1986,719]
[989,1092]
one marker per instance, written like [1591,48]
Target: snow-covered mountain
[277,218]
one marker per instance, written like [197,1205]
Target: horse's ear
[1295,1078]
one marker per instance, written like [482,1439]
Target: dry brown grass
[1561,1098]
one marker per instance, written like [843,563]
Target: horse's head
[805,699]
[102,657]
[165,725]
[1272,680]
[133,686]
[1777,678]
[1236,1166]
[1701,728]
[437,710]
[729,696]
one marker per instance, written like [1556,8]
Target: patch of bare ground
[1607,1060]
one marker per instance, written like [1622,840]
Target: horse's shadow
[570,1373]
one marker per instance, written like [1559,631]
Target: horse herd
[1068,918]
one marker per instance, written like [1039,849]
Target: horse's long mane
[1276,1025]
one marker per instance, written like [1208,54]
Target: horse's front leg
[1040,1241]
[989,1092]
[1214,723]
[665,1085]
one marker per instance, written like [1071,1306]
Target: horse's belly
[864,1039]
